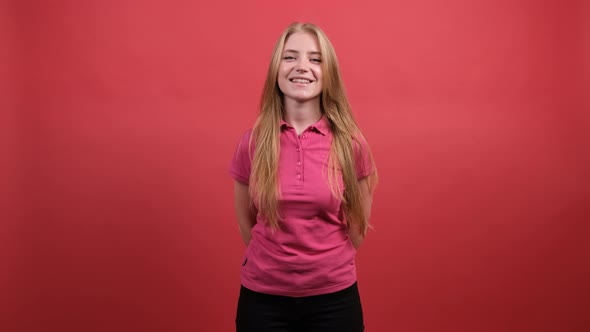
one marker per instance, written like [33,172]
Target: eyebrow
[294,51]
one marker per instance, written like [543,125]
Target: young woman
[304,178]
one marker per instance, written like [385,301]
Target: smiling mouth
[300,80]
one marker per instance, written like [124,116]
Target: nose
[301,66]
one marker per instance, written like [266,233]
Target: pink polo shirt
[311,253]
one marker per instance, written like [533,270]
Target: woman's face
[300,71]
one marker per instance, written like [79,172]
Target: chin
[305,98]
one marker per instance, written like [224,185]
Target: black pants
[340,311]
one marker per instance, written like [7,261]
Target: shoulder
[363,157]
[245,141]
[241,162]
[360,144]
[246,134]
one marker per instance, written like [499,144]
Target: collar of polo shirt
[322,126]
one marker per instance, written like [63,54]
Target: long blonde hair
[264,179]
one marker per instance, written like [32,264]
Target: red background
[119,119]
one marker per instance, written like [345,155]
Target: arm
[355,234]
[245,212]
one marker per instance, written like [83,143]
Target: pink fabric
[311,253]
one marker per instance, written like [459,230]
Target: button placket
[299,169]
[298,163]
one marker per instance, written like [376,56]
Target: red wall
[11,199]
[121,118]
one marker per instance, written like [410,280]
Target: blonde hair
[264,180]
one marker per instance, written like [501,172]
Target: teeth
[300,80]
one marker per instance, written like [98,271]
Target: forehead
[302,42]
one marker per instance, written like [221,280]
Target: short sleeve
[363,161]
[241,163]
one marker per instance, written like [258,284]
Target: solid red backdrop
[120,118]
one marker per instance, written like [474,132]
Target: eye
[288,57]
[316,60]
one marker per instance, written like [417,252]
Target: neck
[302,115]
